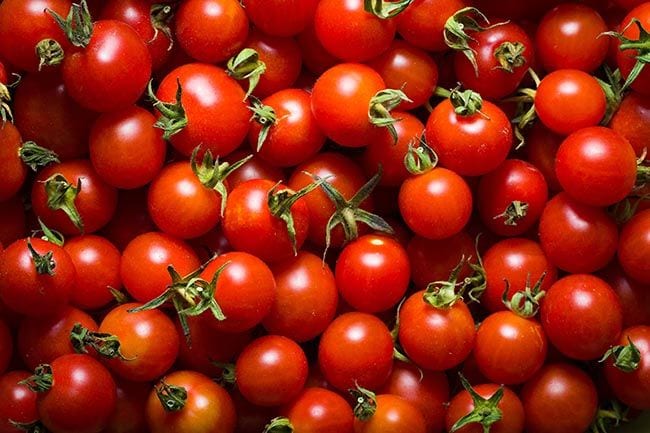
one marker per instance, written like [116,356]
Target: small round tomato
[271,371]
[634,296]
[564,391]
[148,342]
[632,121]
[254,168]
[145,260]
[511,198]
[509,349]
[596,159]
[372,273]
[305,300]
[12,167]
[205,407]
[632,387]
[129,414]
[319,410]
[126,150]
[280,17]
[568,100]
[18,402]
[569,37]
[575,237]
[81,395]
[511,408]
[131,221]
[634,247]
[435,338]
[356,349]
[392,414]
[40,340]
[37,280]
[423,21]
[97,262]
[315,57]
[626,59]
[436,204]
[282,58]
[211,31]
[72,198]
[581,316]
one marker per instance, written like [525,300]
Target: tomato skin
[305,300]
[208,407]
[144,264]
[469,145]
[510,405]
[426,390]
[356,348]
[436,204]
[509,349]
[519,261]
[245,290]
[633,389]
[577,238]
[372,273]
[271,371]
[581,316]
[126,150]
[217,117]
[633,248]
[568,100]
[40,340]
[513,180]
[128,416]
[96,201]
[13,169]
[409,68]
[196,208]
[314,56]
[250,226]
[6,345]
[634,296]
[46,114]
[493,81]
[625,59]
[632,120]
[422,23]
[149,342]
[541,148]
[92,77]
[12,221]
[211,31]
[435,338]
[254,168]
[319,410]
[564,391]
[23,24]
[280,17]
[348,85]
[18,401]
[568,37]
[393,414]
[82,398]
[433,260]
[596,158]
[131,221]
[295,137]
[27,292]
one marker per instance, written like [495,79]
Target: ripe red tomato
[625,59]
[211,31]
[632,120]
[436,204]
[81,396]
[568,100]
[568,37]
[18,402]
[356,349]
[305,299]
[254,168]
[372,273]
[632,388]
[129,415]
[125,149]
[13,169]
[12,221]
[271,371]
[280,17]
[37,281]
[132,219]
[512,410]
[205,408]
[315,57]
[634,248]
[596,158]
[541,148]
[564,391]
[433,260]
[575,237]
[634,296]
[392,413]
[148,342]
[423,21]
[319,410]
[581,316]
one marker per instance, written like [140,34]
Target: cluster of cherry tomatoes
[324,216]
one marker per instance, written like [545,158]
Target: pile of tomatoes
[324,216]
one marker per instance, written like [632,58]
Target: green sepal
[35,156]
[510,55]
[525,113]
[246,65]
[525,303]
[265,116]
[53,236]
[515,211]
[609,416]
[486,411]
[385,10]
[42,379]
[31,427]
[61,195]
[279,425]
[380,107]
[77,26]
[398,351]
[456,31]
[161,15]
[49,53]
[43,263]
[365,404]
[5,109]
[172,397]
[466,102]
[613,89]
[172,118]
[421,158]
[106,345]
[625,358]
[444,294]
[642,45]
[228,376]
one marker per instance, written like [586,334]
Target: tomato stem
[246,65]
[626,358]
[420,159]
[49,52]
[107,345]
[61,195]
[609,416]
[525,303]
[279,425]
[42,379]
[35,156]
[77,26]
[5,109]
[265,116]
[641,45]
[510,55]
[380,106]
[386,10]
[514,212]
[44,263]
[161,15]
[486,411]
[172,118]
[172,397]
[365,403]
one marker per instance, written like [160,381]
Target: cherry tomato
[511,408]
[541,148]
[314,56]
[254,168]
[433,260]
[18,402]
[319,410]
[13,169]
[634,296]
[632,388]
[422,23]
[280,17]
[633,247]
[394,414]
[128,416]
[632,121]
[625,59]
[131,220]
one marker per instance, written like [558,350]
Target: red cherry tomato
[634,296]
[319,409]
[422,23]
[13,169]
[280,17]
[634,248]
[625,59]
[394,414]
[512,410]
[18,402]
